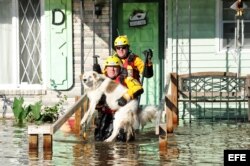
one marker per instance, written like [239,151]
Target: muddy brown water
[190,144]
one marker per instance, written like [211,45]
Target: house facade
[219,39]
[47,44]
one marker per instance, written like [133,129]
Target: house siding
[205,52]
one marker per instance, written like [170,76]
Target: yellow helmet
[112,61]
[121,41]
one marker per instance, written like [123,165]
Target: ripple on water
[190,144]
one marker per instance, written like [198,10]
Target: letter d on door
[56,19]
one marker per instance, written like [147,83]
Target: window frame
[219,29]
[18,87]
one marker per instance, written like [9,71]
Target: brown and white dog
[126,117]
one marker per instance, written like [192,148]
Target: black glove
[148,71]
[97,68]
[138,93]
[122,101]
[148,53]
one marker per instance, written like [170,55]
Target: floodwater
[190,144]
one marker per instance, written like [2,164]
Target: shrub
[36,113]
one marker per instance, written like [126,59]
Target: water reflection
[190,144]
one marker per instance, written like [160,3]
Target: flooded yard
[198,143]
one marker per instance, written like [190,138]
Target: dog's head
[91,79]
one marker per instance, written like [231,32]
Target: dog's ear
[95,75]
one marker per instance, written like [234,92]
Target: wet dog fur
[127,117]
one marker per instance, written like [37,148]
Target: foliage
[36,113]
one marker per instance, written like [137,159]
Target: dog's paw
[108,140]
[82,125]
[82,122]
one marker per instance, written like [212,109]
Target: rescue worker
[131,60]
[132,67]
[112,69]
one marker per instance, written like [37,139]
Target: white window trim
[219,31]
[15,38]
[23,88]
[43,42]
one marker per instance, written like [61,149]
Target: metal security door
[143,34]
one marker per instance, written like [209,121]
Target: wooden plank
[33,142]
[164,107]
[68,114]
[79,114]
[47,146]
[162,137]
[174,97]
[40,129]
[169,112]
[47,142]
[78,117]
[209,74]
[47,155]
[184,68]
[33,155]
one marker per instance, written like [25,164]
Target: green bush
[35,113]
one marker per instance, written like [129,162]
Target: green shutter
[58,49]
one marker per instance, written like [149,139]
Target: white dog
[126,116]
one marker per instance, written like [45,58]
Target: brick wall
[102,40]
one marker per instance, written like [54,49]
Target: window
[20,38]
[230,26]
[30,41]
